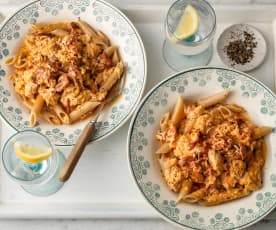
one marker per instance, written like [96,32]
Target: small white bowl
[235,32]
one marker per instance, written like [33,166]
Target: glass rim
[28,182]
[206,37]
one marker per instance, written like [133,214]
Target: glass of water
[195,50]
[41,178]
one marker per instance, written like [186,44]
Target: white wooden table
[121,202]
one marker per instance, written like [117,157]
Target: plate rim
[131,127]
[145,72]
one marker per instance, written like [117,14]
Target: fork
[87,133]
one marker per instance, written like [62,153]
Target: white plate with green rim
[255,97]
[100,15]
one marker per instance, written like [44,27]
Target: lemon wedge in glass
[188,24]
[31,153]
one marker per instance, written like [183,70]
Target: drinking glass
[196,50]
[39,179]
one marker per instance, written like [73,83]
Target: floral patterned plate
[260,103]
[100,15]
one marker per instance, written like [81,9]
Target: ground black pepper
[241,50]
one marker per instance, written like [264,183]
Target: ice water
[21,169]
[40,179]
[27,171]
[200,41]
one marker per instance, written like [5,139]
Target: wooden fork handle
[73,158]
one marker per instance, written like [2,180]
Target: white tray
[101,186]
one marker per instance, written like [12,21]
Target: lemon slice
[31,153]
[188,23]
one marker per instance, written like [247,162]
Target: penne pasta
[195,196]
[164,148]
[51,118]
[113,78]
[10,60]
[36,109]
[28,104]
[103,37]
[185,190]
[20,64]
[64,71]
[214,99]
[191,118]
[236,109]
[178,112]
[85,108]
[225,111]
[87,29]
[92,34]
[59,32]
[261,132]
[38,104]
[61,114]
[215,199]
[115,57]
[47,28]
[210,152]
[109,51]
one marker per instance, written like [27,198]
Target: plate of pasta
[58,62]
[201,149]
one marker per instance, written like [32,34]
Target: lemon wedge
[31,153]
[188,24]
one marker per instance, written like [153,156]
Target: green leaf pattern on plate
[194,220]
[219,222]
[14,114]
[11,30]
[141,165]
[54,6]
[119,26]
[264,202]
[268,105]
[4,52]
[168,207]
[147,118]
